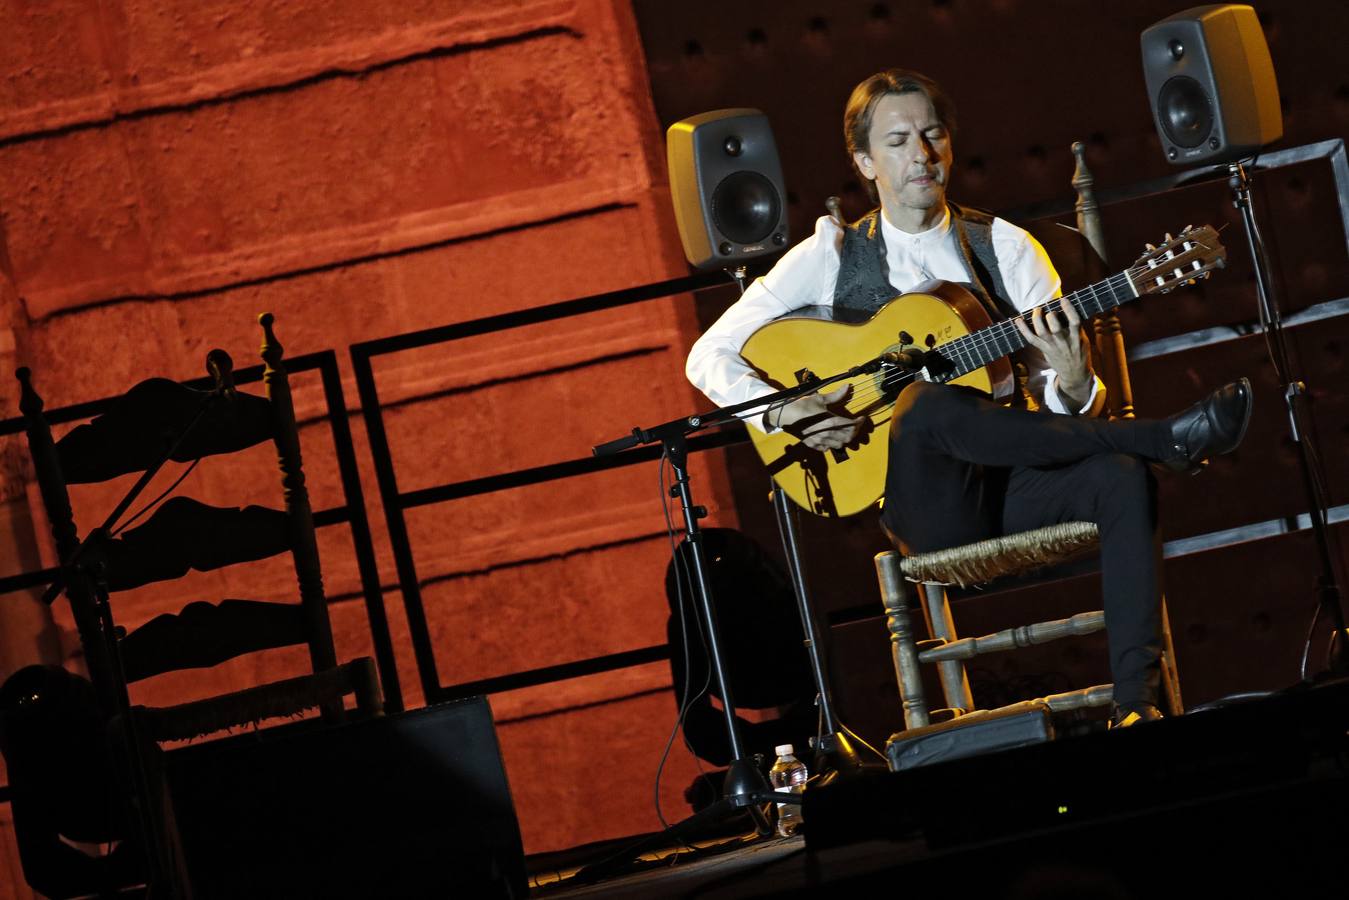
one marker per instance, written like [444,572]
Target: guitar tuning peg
[1188,229]
[1151,249]
[1168,237]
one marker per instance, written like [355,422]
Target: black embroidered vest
[863,284]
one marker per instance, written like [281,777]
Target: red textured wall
[170,169]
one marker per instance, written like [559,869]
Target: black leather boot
[1213,426]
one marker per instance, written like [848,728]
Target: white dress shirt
[806,275]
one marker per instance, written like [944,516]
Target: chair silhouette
[155,420]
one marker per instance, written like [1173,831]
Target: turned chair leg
[902,645]
[954,682]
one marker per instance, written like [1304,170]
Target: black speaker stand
[1295,397]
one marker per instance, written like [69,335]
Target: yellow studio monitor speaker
[726,185]
[1211,84]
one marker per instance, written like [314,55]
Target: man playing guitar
[962,467]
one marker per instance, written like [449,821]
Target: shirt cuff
[1054,401]
[755,417]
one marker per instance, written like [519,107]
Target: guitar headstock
[1183,259]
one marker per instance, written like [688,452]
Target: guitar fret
[963,357]
[989,347]
[1091,303]
[1120,290]
[1114,296]
[1004,338]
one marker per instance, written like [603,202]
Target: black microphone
[905,359]
[614,446]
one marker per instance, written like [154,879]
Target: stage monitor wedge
[414,805]
[1211,84]
[727,188]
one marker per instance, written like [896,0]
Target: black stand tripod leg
[834,753]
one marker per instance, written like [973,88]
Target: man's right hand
[812,419]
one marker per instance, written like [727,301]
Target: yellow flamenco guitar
[938,332]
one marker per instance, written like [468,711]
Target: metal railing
[396,503]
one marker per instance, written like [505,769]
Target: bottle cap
[783,750]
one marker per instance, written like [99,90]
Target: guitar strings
[1003,337]
[965,350]
[969,348]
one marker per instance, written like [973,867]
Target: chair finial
[1082,177]
[835,207]
[272,350]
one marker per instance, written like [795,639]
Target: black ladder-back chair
[184,534]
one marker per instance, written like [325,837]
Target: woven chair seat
[1012,554]
[290,697]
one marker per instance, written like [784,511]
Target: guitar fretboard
[979,348]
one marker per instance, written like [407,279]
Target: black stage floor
[1243,801]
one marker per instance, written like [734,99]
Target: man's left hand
[1059,336]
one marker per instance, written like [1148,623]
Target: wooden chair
[184,534]
[1009,555]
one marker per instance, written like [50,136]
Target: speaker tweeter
[727,188]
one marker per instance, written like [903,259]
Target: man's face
[908,155]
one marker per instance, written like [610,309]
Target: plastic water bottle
[789,776]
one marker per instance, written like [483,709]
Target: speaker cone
[746,207]
[1186,111]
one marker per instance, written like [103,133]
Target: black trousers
[963,468]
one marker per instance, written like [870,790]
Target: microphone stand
[744,786]
[1295,397]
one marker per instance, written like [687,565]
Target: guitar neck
[979,348]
